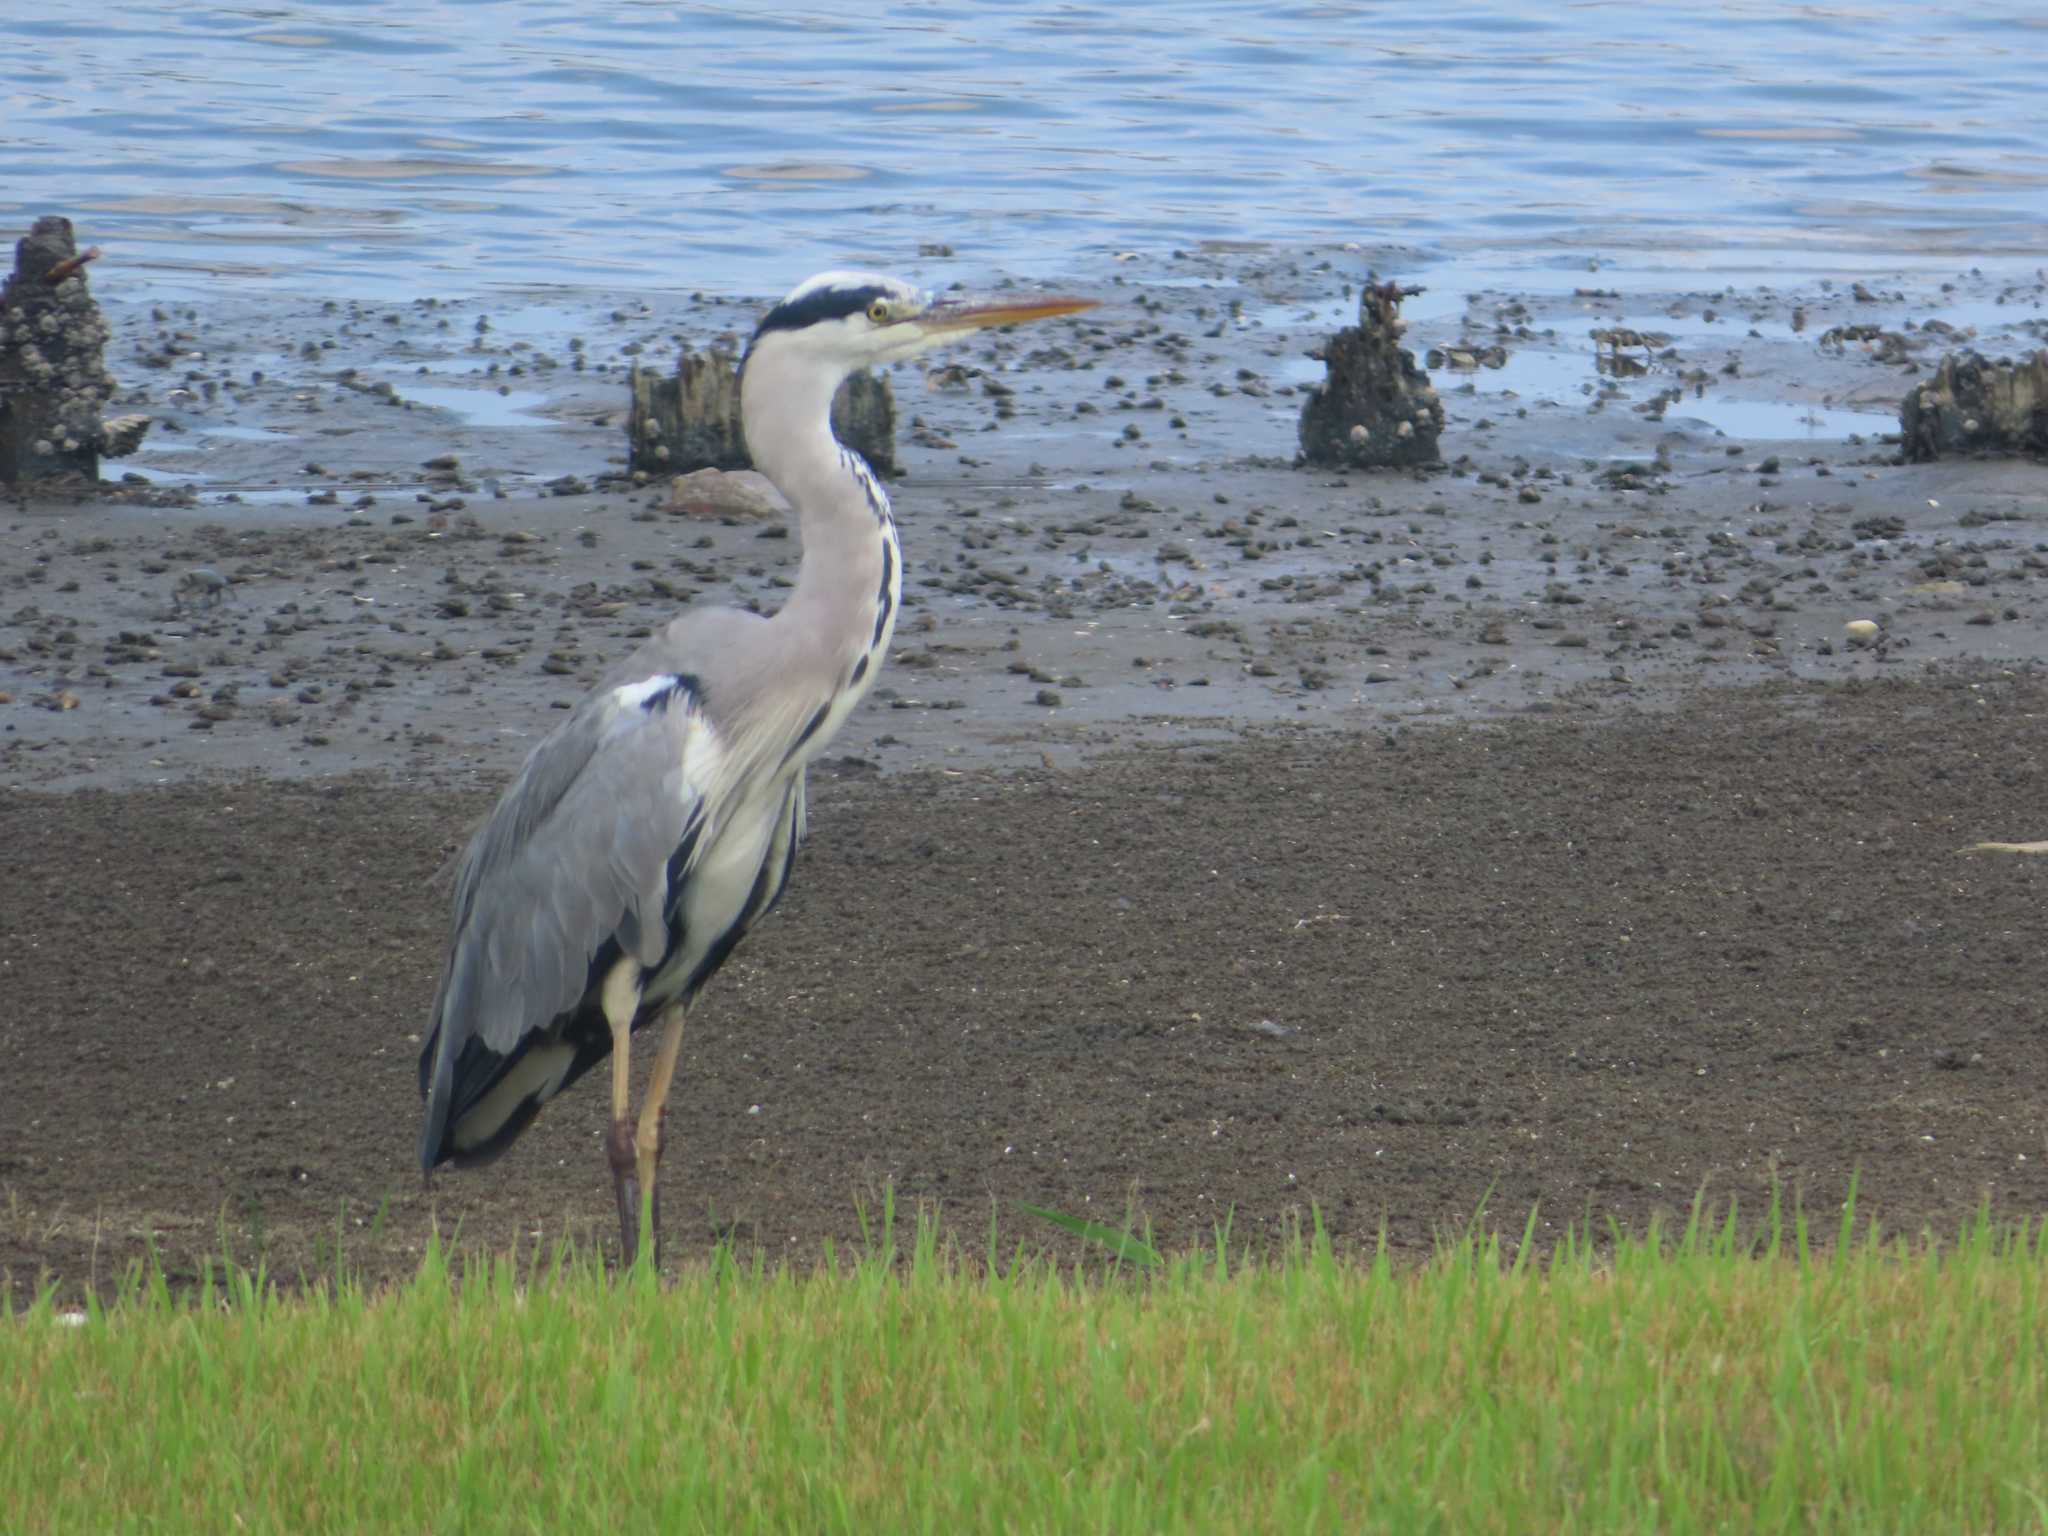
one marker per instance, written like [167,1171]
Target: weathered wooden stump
[1973,406]
[53,374]
[690,419]
[1375,408]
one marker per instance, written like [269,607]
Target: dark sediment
[1590,966]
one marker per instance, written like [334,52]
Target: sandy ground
[1224,836]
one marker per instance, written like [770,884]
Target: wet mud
[1224,837]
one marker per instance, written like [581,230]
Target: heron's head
[841,321]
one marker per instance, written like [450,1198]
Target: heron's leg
[647,1143]
[621,1000]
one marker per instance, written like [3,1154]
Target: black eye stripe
[820,304]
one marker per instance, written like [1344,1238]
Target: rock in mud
[1375,409]
[691,420]
[201,587]
[53,373]
[1974,406]
[741,494]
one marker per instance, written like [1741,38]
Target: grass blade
[1125,1245]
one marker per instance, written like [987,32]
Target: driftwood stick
[71,265]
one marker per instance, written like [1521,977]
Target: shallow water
[382,149]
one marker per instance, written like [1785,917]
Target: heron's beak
[950,316]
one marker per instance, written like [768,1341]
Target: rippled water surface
[390,147]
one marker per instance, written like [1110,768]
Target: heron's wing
[579,850]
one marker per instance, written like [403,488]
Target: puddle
[196,434]
[479,407]
[236,433]
[211,488]
[1781,420]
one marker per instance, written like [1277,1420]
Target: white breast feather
[635,695]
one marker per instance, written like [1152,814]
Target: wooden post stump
[53,374]
[1975,406]
[1376,408]
[690,420]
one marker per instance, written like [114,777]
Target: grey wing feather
[576,853]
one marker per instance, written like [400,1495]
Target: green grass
[1684,1381]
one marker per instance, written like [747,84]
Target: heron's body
[656,824]
[713,814]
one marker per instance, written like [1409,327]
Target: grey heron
[657,823]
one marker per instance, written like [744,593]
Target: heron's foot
[624,1158]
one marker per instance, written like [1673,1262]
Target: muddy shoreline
[1549,781]
[1105,515]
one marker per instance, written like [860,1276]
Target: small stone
[1272,1030]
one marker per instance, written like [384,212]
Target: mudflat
[1226,836]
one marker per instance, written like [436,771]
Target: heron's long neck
[850,582]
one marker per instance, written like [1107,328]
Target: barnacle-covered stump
[53,373]
[1375,409]
[1973,406]
[690,420]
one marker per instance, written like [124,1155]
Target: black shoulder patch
[819,304]
[684,683]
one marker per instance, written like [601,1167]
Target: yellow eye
[879,311]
